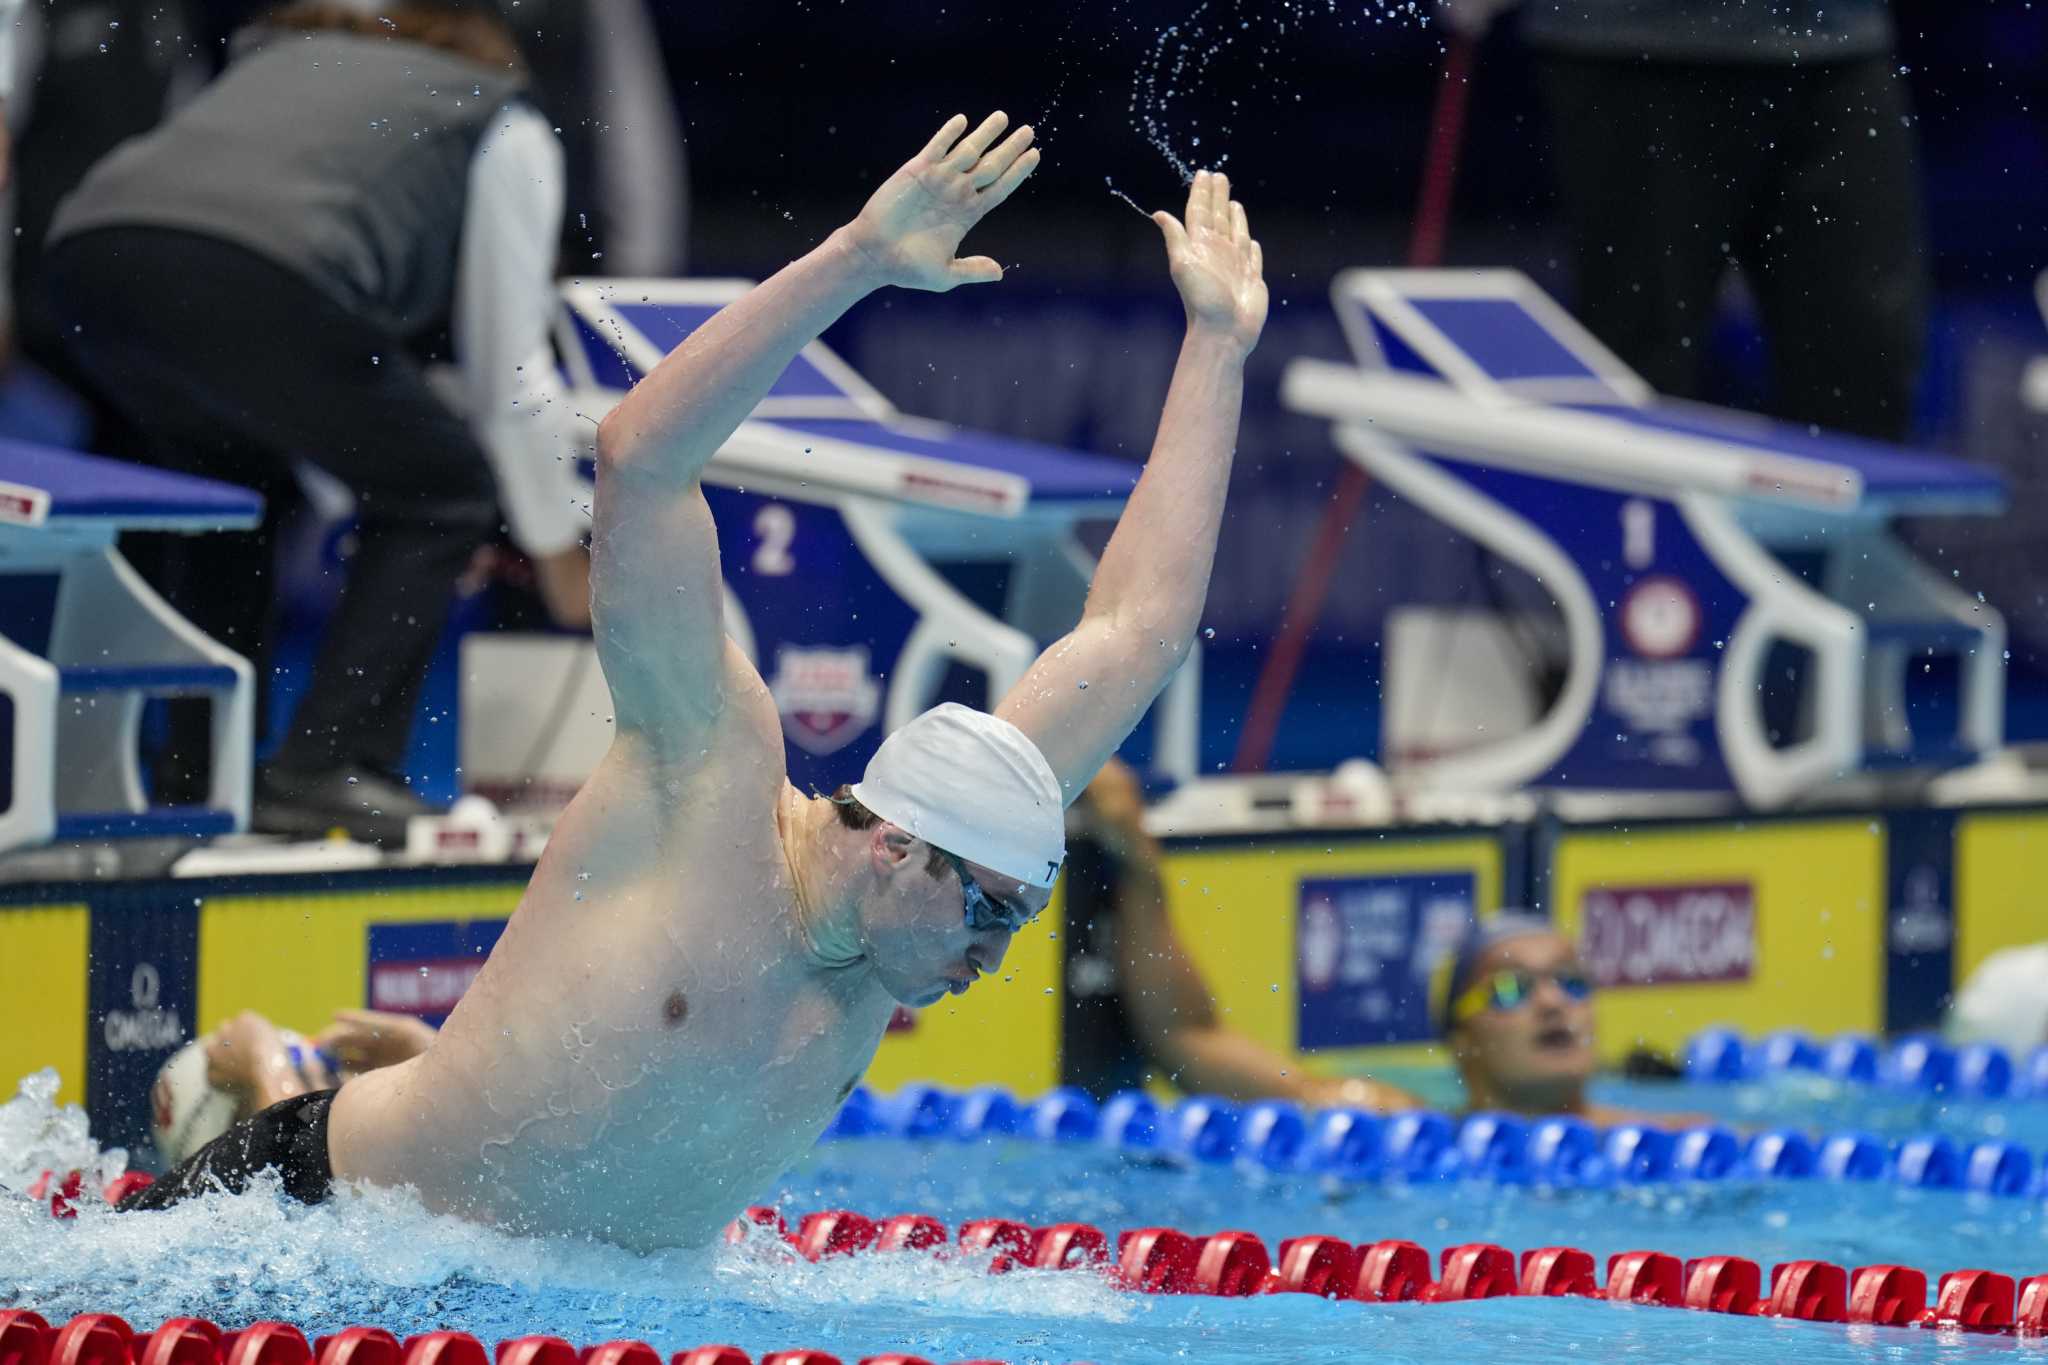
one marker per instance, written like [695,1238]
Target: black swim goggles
[1508,990]
[983,911]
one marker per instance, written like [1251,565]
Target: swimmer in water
[1516,1006]
[249,1063]
[705,959]
[1136,1003]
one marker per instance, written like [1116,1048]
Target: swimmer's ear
[891,844]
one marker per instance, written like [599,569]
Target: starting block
[1689,550]
[836,516]
[84,642]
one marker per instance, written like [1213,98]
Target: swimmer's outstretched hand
[913,224]
[1216,265]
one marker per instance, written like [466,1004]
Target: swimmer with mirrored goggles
[1509,990]
[1516,1007]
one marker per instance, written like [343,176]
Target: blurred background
[789,114]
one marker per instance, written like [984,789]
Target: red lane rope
[1160,1260]
[105,1339]
[1312,583]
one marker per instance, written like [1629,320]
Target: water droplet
[1208,632]
[352,781]
[1082,685]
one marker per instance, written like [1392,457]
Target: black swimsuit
[289,1137]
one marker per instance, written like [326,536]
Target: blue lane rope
[1351,1144]
[1917,1062]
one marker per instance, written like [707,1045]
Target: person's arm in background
[365,1040]
[1163,994]
[504,303]
[247,1057]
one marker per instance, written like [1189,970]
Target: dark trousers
[235,367]
[1804,177]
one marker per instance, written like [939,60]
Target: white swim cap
[974,785]
[2005,1001]
[185,1112]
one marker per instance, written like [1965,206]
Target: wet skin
[657,1035]
[705,960]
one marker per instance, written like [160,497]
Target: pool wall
[1316,942]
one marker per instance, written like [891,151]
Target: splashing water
[1110,185]
[377,1256]
[38,1135]
[1184,55]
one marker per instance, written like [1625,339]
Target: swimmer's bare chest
[650,1042]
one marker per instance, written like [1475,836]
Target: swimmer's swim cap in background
[2005,1001]
[1464,959]
[186,1112]
[974,785]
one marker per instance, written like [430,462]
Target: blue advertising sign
[1920,918]
[1365,949]
[423,968]
[827,628]
[142,1005]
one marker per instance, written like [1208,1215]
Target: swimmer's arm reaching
[1162,992]
[1089,689]
[247,1057]
[657,595]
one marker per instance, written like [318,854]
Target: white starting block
[1681,543]
[834,513]
[84,642]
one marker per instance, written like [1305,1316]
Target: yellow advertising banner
[1236,906]
[1761,925]
[2001,865]
[43,992]
[298,958]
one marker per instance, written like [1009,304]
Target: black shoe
[369,807]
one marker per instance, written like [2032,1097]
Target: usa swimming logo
[827,696]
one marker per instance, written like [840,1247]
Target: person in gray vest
[254,282]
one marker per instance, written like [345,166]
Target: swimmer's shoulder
[742,754]
[693,721]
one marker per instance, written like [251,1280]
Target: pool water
[378,1258]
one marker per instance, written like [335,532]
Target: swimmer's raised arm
[1089,689]
[655,575]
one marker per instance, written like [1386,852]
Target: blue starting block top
[665,325]
[623,328]
[1905,480]
[41,485]
[1498,340]
[1054,474]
